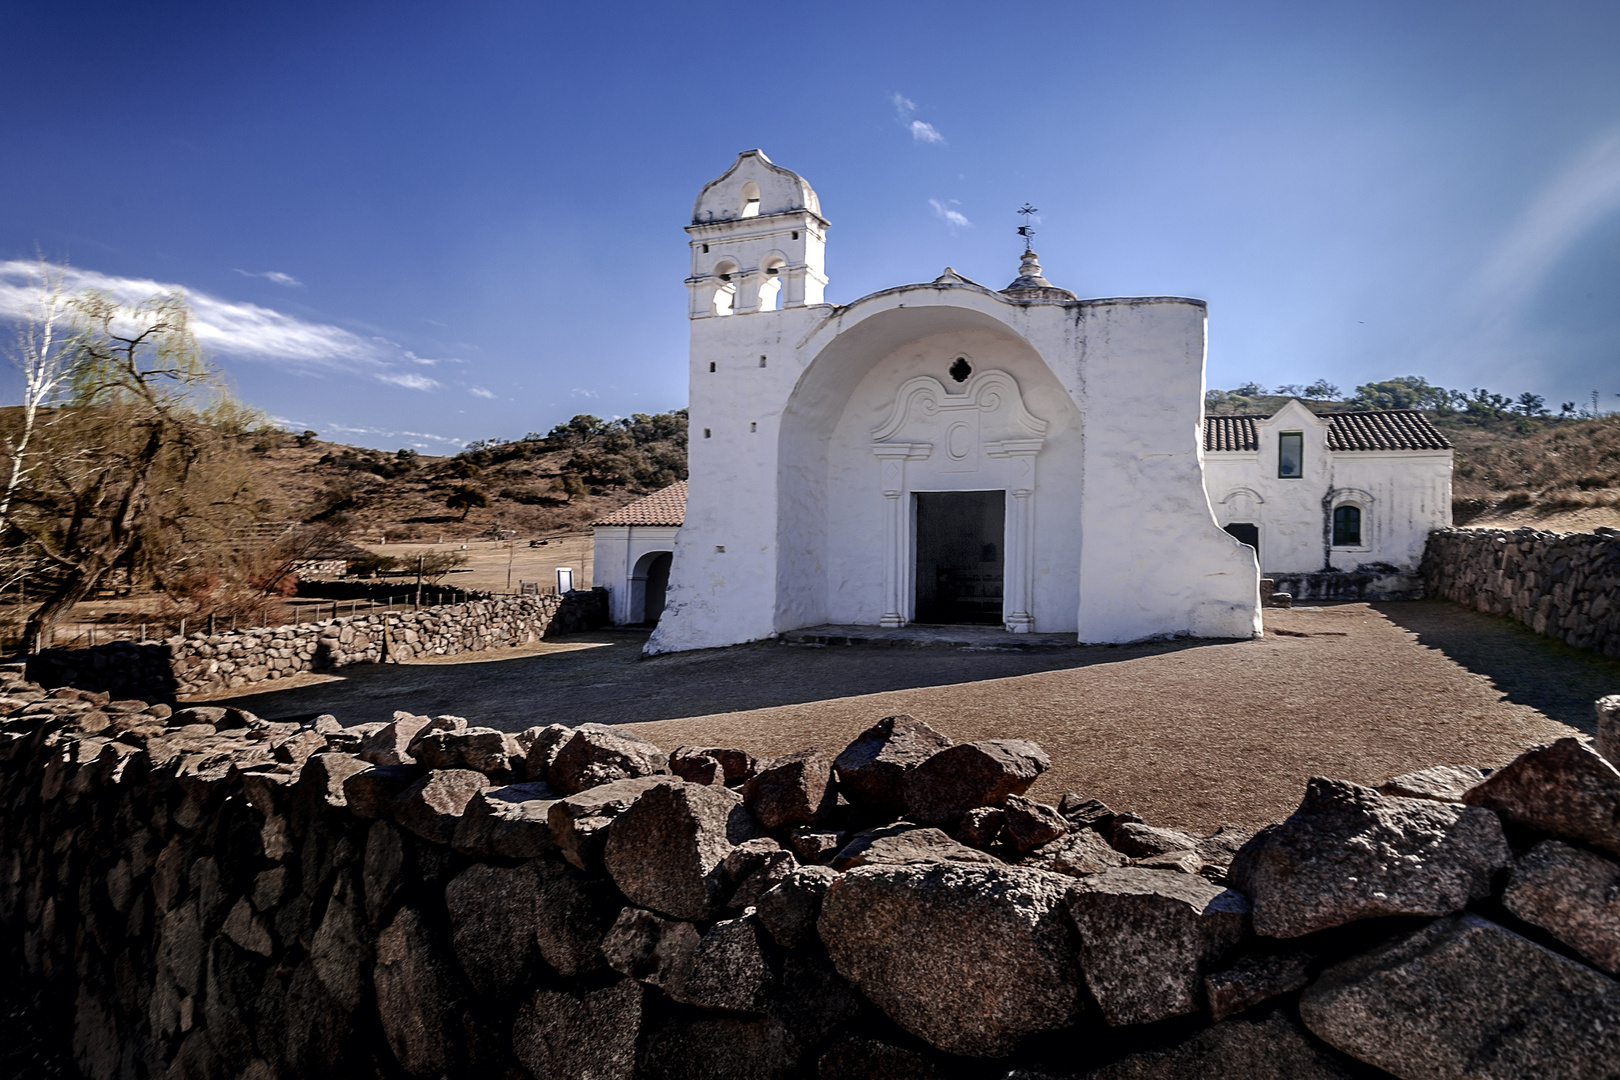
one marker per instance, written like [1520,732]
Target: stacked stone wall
[203,663]
[1564,585]
[206,894]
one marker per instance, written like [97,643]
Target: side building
[631,553]
[1338,506]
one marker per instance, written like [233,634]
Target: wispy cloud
[276,276]
[921,130]
[954,218]
[241,330]
[1578,197]
[579,391]
[409,381]
[479,391]
[448,440]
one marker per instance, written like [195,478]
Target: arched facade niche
[854,455]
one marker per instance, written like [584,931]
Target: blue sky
[408,224]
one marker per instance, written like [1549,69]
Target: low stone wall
[1564,585]
[202,662]
[1368,585]
[213,895]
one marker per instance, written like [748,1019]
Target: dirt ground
[1190,734]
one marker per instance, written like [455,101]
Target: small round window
[961,369]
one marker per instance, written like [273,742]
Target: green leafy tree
[1531,404]
[1405,392]
[465,497]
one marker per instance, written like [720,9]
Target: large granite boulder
[666,851]
[734,766]
[432,807]
[905,843]
[582,1036]
[795,789]
[651,949]
[1030,824]
[579,823]
[1148,938]
[1076,853]
[1442,783]
[1465,999]
[418,997]
[1272,1047]
[510,822]
[1574,895]
[544,744]
[871,770]
[952,782]
[480,749]
[492,910]
[391,744]
[1563,789]
[1349,853]
[722,968]
[371,793]
[971,959]
[789,909]
[1253,979]
[593,757]
[1144,841]
[572,913]
[1608,728]
[728,969]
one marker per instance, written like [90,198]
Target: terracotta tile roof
[1230,433]
[1387,429]
[665,507]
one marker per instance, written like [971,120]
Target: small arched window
[1347,526]
[750,200]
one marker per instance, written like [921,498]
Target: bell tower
[758,241]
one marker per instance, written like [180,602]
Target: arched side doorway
[649,582]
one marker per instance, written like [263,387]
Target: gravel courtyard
[1189,734]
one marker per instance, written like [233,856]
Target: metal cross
[1026,230]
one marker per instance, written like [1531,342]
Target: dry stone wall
[203,662]
[206,894]
[1564,585]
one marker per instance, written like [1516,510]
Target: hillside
[1549,472]
[536,485]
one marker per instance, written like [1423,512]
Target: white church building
[941,452]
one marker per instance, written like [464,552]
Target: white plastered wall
[617,551]
[1125,546]
[1153,562]
[1402,494]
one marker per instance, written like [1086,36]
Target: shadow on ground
[603,678]
[1528,668]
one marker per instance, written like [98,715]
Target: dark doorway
[657,585]
[1246,533]
[959,556]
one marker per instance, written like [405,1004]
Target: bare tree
[137,463]
[41,353]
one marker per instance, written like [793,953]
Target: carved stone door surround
[978,439]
